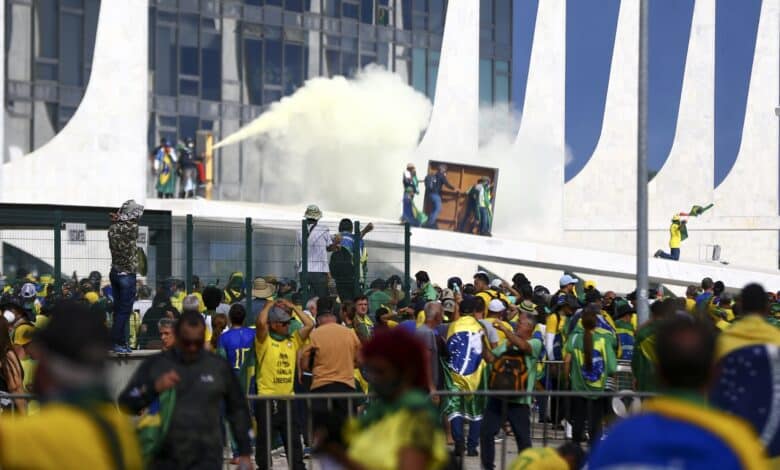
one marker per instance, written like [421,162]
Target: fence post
[356,260]
[57,250]
[188,255]
[249,279]
[407,260]
[305,260]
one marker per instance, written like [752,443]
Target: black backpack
[509,372]
[340,265]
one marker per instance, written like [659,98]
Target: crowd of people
[177,164]
[437,375]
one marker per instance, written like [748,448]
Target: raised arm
[308,324]
[519,342]
[261,325]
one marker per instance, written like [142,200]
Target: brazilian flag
[465,371]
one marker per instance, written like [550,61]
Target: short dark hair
[325,306]
[707,283]
[685,348]
[468,305]
[345,225]
[690,291]
[358,298]
[718,287]
[483,277]
[212,297]
[237,314]
[754,299]
[573,450]
[189,318]
[422,276]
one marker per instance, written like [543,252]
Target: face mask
[386,390]
[9,316]
[278,337]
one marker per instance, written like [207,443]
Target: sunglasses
[192,342]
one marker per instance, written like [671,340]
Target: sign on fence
[143,238]
[76,233]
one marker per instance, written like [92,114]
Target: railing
[298,407]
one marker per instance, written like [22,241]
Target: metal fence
[297,409]
[71,242]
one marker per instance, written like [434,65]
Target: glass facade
[49,46]
[218,64]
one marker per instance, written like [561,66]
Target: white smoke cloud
[344,144]
[341,143]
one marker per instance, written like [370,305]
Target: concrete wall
[585,199]
[101,152]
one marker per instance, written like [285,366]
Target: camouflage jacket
[122,237]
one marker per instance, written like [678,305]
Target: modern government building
[91,86]
[217,64]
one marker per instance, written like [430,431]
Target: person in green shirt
[589,357]
[426,287]
[644,360]
[516,410]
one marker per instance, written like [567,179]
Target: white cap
[496,305]
[496,283]
[567,280]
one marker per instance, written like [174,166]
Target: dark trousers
[123,289]
[277,424]
[582,410]
[301,408]
[674,255]
[469,219]
[339,407]
[496,413]
[318,284]
[456,427]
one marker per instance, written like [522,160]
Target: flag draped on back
[464,369]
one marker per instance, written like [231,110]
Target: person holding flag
[464,372]
[678,232]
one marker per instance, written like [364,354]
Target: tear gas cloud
[344,144]
[340,143]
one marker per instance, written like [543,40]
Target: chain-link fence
[184,254]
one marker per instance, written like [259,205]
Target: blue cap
[567,280]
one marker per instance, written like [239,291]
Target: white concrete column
[453,131]
[606,188]
[687,177]
[751,187]
[540,144]
[100,155]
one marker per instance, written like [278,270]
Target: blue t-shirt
[236,342]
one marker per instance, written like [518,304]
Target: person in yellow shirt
[677,233]
[78,425]
[276,352]
[486,293]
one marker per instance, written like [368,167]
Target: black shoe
[472,453]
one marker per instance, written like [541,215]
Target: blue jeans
[484,221]
[123,288]
[456,425]
[435,210]
[519,418]
[674,255]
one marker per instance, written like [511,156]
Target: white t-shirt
[319,241]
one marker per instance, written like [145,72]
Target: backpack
[340,265]
[474,193]
[509,372]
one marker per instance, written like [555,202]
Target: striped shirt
[319,241]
